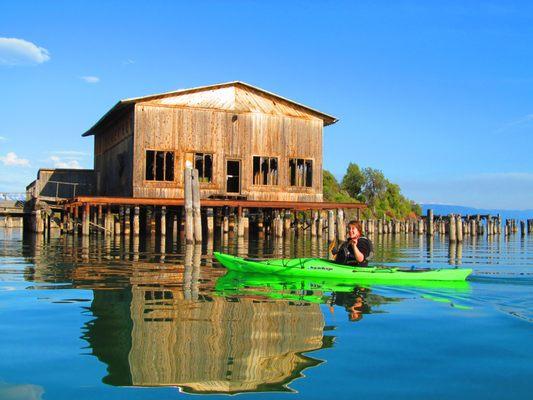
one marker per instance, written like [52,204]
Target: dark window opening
[233,169]
[159,165]
[204,164]
[301,172]
[150,165]
[265,170]
[169,166]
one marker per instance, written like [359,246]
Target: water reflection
[164,314]
[154,335]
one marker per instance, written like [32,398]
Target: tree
[353,181]
[332,191]
[374,186]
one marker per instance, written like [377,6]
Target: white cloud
[129,61]
[65,163]
[11,159]
[21,52]
[3,138]
[91,79]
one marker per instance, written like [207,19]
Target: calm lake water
[159,321]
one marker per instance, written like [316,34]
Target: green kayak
[321,268]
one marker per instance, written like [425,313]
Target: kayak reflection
[356,298]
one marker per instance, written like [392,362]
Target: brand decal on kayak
[323,268]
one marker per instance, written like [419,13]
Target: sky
[437,95]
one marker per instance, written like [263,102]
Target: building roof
[214,100]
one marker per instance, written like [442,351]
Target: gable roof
[232,96]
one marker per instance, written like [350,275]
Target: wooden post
[287,223]
[320,225]
[86,219]
[127,219]
[136,225]
[279,226]
[314,223]
[189,223]
[331,226]
[100,216]
[197,215]
[430,222]
[121,219]
[522,228]
[210,222]
[163,222]
[108,221]
[260,221]
[118,225]
[452,228]
[459,228]
[225,224]
[240,223]
[175,229]
[341,232]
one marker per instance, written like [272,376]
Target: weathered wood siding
[227,135]
[113,158]
[64,183]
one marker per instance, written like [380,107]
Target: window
[159,165]
[203,162]
[301,172]
[265,170]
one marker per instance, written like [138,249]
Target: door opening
[233,176]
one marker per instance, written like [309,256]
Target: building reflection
[153,335]
[161,323]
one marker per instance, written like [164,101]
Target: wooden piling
[108,222]
[189,223]
[210,221]
[163,222]
[452,228]
[127,219]
[287,223]
[225,224]
[459,228]
[341,231]
[136,224]
[331,225]
[240,223]
[86,220]
[197,215]
[430,222]
[314,223]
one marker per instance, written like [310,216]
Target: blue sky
[438,95]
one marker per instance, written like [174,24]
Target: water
[157,321]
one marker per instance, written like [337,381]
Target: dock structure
[229,156]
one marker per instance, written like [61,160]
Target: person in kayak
[356,249]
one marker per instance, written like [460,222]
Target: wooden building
[246,143]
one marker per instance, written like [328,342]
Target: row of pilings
[195,224]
